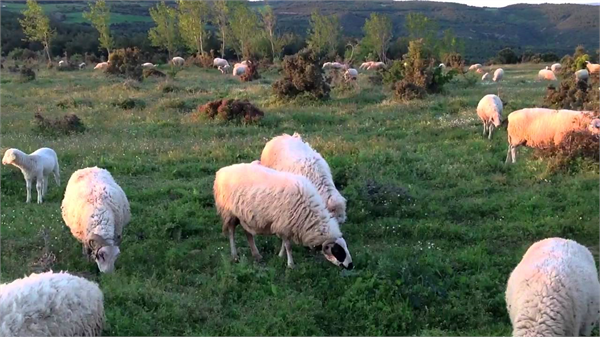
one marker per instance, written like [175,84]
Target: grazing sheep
[101,66]
[38,165]
[443,66]
[376,66]
[178,61]
[479,71]
[351,74]
[326,65]
[485,77]
[582,75]
[554,291]
[546,74]
[51,304]
[239,69]
[498,75]
[269,202]
[148,65]
[364,65]
[96,209]
[556,67]
[334,65]
[62,63]
[489,111]
[82,65]
[592,68]
[221,64]
[538,127]
[475,67]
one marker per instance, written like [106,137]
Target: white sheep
[239,69]
[364,65]
[592,68]
[101,66]
[148,65]
[443,66]
[351,74]
[38,165]
[479,71]
[178,61]
[334,65]
[62,63]
[269,202]
[82,65]
[582,75]
[489,111]
[498,75]
[556,67]
[538,127]
[475,66]
[485,77]
[554,290]
[376,66]
[221,64]
[546,74]
[51,304]
[96,209]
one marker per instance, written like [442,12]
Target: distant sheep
[364,65]
[334,65]
[546,74]
[178,61]
[556,67]
[51,304]
[592,68]
[62,63]
[498,75]
[96,209]
[82,65]
[148,65]
[35,166]
[101,66]
[582,75]
[442,66]
[485,77]
[538,127]
[221,64]
[475,67]
[269,202]
[351,74]
[489,111]
[239,69]
[554,291]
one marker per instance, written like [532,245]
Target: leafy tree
[378,34]
[99,16]
[420,26]
[192,21]
[221,12]
[269,21]
[449,44]
[507,56]
[244,26]
[165,34]
[324,34]
[36,26]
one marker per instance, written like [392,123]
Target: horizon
[504,3]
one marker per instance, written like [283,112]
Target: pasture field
[436,221]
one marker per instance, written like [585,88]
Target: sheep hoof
[258,258]
[290,265]
[235,259]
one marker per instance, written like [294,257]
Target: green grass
[434,262]
[73,12]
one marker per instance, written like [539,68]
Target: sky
[502,3]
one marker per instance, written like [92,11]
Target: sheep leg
[45,185]
[255,254]
[28,188]
[491,128]
[234,254]
[484,128]
[282,250]
[507,155]
[39,186]
[513,153]
[288,249]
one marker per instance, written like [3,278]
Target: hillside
[540,28]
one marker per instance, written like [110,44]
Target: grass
[431,261]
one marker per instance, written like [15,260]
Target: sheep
[538,127]
[62,63]
[489,111]
[475,67]
[479,71]
[291,154]
[376,66]
[82,65]
[364,65]
[178,61]
[556,67]
[101,66]
[327,65]
[498,75]
[96,209]
[51,304]
[148,65]
[546,74]
[592,68]
[582,75]
[485,77]
[239,69]
[442,66]
[38,165]
[351,74]
[554,290]
[269,202]
[221,64]
[335,65]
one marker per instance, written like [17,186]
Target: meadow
[436,220]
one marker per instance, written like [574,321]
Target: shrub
[251,72]
[26,74]
[507,56]
[574,95]
[14,69]
[126,62]
[454,61]
[580,62]
[407,91]
[169,87]
[549,57]
[576,145]
[70,102]
[567,63]
[394,73]
[153,73]
[232,109]
[301,74]
[68,67]
[130,103]
[67,125]
[20,54]
[201,60]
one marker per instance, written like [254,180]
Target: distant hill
[540,28]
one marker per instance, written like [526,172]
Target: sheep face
[106,257]
[594,127]
[337,253]
[10,156]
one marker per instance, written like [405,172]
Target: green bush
[67,125]
[394,73]
[130,103]
[301,74]
[574,95]
[126,62]
[26,74]
[232,109]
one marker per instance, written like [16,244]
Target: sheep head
[10,157]
[594,126]
[104,253]
[336,252]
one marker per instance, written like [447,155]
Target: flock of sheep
[290,193]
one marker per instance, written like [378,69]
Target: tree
[420,26]
[378,34]
[165,34]
[507,56]
[449,44]
[192,21]
[221,12]
[324,34]
[269,20]
[99,16]
[244,26]
[36,26]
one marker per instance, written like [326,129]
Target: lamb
[546,74]
[38,165]
[582,75]
[498,75]
[556,67]
[489,111]
[269,202]
[96,209]
[592,68]
[539,127]
[51,304]
[82,65]
[178,61]
[351,74]
[554,290]
[475,66]
[485,77]
[221,64]
[101,66]
[148,65]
